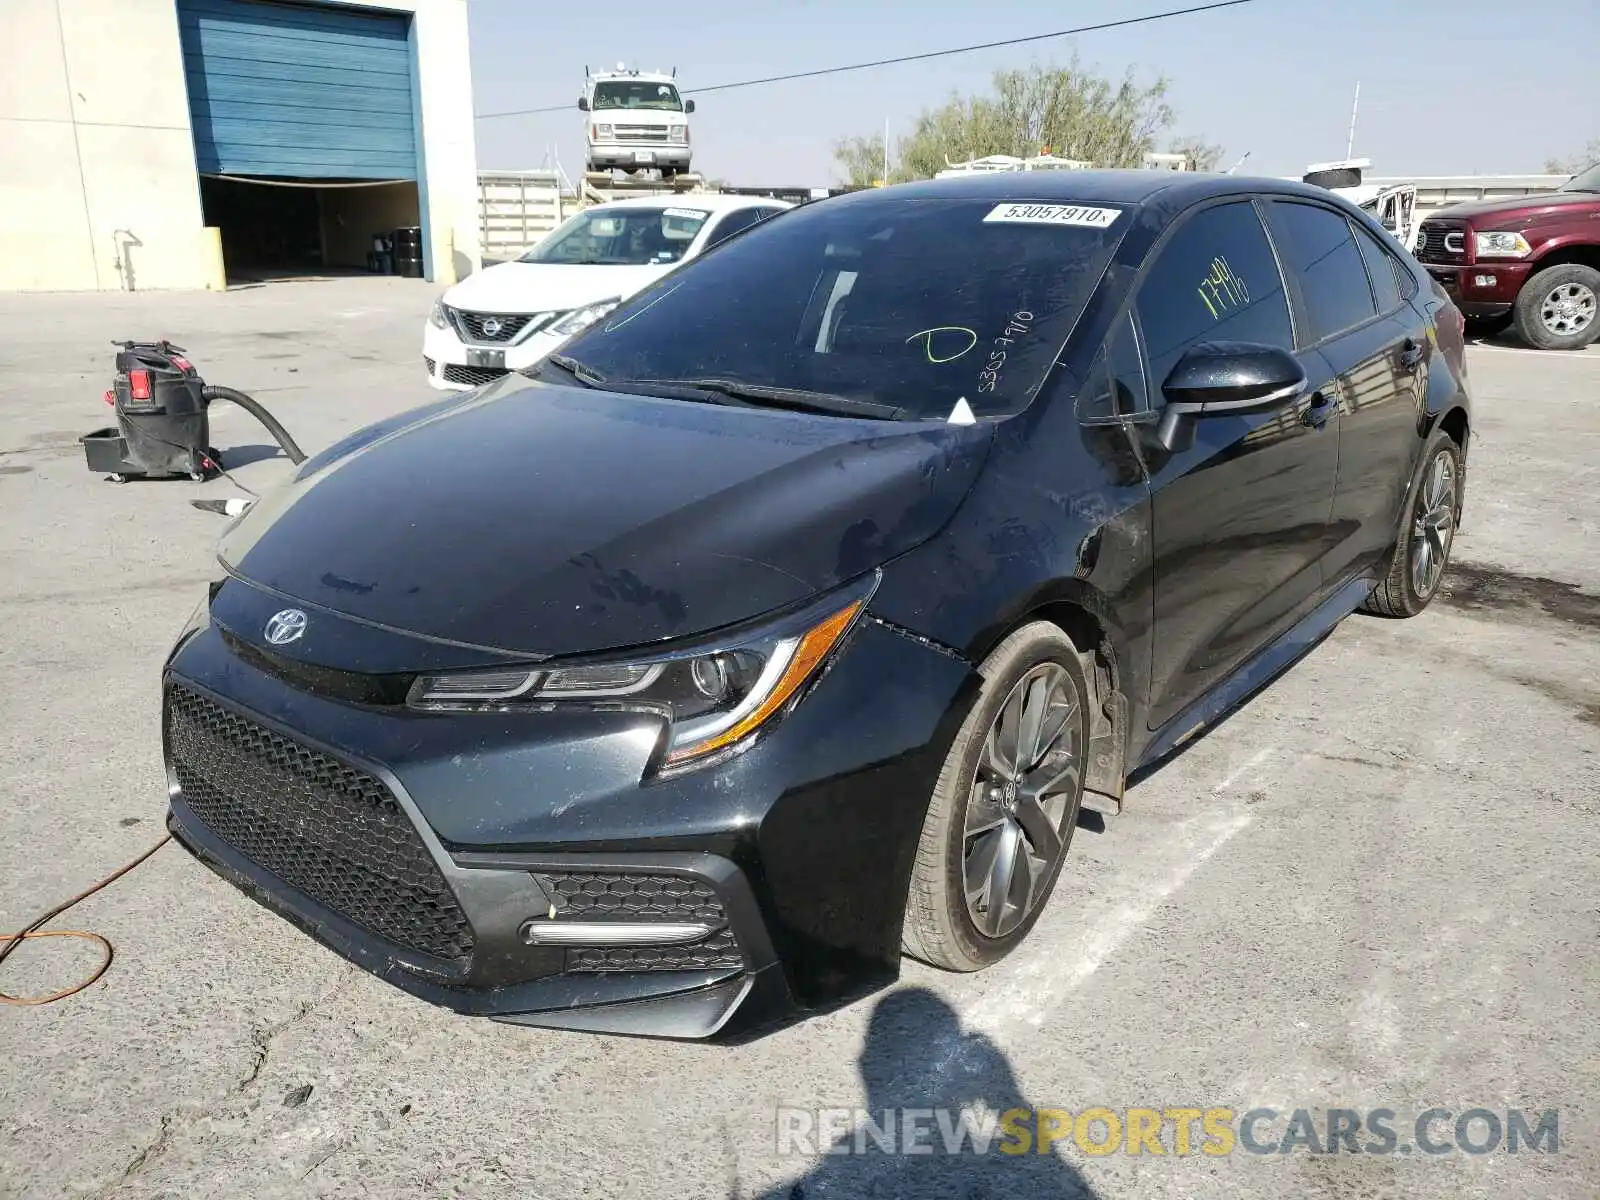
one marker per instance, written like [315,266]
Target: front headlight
[714,698]
[1501,245]
[678,134]
[582,318]
[437,317]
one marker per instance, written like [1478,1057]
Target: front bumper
[423,847]
[454,365]
[1482,290]
[606,156]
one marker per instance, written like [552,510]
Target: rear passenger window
[1382,269]
[1216,280]
[1320,252]
[734,222]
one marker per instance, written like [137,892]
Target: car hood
[1527,207]
[519,287]
[535,519]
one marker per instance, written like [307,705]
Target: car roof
[709,201]
[1129,187]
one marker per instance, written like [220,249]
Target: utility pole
[1350,146]
[886,152]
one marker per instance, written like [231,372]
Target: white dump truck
[638,121]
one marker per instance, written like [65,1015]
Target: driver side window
[1216,279]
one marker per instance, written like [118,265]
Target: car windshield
[617,237]
[914,304]
[634,93]
[1583,181]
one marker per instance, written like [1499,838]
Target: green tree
[1578,162]
[1071,111]
[860,159]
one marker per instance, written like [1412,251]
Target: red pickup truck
[1528,261]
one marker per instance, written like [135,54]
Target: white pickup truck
[638,121]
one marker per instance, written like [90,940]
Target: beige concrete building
[174,143]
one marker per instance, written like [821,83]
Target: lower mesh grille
[595,895]
[472,376]
[333,832]
[641,896]
[720,951]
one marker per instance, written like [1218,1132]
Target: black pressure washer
[163,428]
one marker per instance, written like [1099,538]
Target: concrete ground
[1374,887]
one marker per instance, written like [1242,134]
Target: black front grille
[492,327]
[594,896]
[720,951]
[472,376]
[1442,242]
[642,133]
[330,830]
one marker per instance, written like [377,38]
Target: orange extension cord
[13,940]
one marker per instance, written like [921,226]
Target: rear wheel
[1004,809]
[1423,549]
[1559,308]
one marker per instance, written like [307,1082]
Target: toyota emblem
[285,627]
[492,327]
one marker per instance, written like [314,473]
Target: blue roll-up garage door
[298,90]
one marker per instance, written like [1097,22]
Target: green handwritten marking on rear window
[948,336]
[1222,291]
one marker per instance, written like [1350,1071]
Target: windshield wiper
[582,372]
[762,395]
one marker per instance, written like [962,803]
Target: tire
[1409,585]
[941,924]
[1559,308]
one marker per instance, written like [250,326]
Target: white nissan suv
[511,315]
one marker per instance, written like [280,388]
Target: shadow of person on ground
[917,1057]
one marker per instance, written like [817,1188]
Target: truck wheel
[1556,309]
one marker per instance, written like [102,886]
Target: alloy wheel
[1568,309]
[1434,526]
[1022,800]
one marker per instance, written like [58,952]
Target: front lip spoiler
[693,1005]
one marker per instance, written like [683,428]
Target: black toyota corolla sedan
[782,622]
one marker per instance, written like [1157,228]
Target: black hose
[278,432]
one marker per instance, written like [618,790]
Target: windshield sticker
[953,334]
[1019,324]
[961,414]
[1054,214]
[1222,290]
[688,214]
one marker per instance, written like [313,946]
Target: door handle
[1411,352]
[1323,406]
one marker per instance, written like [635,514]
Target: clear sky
[1447,86]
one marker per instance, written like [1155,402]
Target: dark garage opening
[273,231]
[266,230]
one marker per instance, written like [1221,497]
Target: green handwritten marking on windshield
[928,336]
[1221,289]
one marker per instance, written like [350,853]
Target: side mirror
[583,104]
[688,106]
[1227,379]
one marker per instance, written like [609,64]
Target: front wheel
[1005,806]
[1422,550]
[1559,308]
